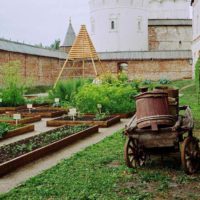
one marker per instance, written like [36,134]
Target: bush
[65,90]
[164,81]
[13,87]
[113,98]
[197,75]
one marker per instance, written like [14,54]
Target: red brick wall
[44,71]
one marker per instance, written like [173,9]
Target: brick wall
[44,71]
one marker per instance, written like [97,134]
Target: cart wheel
[190,155]
[134,154]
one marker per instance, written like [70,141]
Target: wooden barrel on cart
[152,110]
[173,98]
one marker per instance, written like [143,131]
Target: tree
[56,44]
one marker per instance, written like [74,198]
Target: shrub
[65,90]
[164,81]
[13,85]
[197,75]
[113,98]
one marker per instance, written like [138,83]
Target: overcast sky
[35,21]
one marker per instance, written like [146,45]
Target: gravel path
[14,179]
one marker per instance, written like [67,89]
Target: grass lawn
[99,172]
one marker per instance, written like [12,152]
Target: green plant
[13,85]
[123,77]
[65,90]
[197,75]
[109,78]
[100,116]
[164,81]
[147,82]
[4,128]
[113,98]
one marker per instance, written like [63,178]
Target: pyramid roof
[70,36]
[83,47]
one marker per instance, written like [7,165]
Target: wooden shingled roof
[83,47]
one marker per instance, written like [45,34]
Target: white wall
[131,25]
[169,9]
[196,32]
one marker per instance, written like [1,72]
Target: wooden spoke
[134,154]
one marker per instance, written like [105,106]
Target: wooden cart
[179,138]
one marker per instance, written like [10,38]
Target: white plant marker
[72,112]
[99,106]
[29,106]
[17,117]
[57,100]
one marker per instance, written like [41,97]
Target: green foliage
[4,128]
[113,98]
[27,145]
[197,75]
[164,81]
[37,89]
[65,90]
[122,77]
[40,100]
[147,82]
[13,85]
[109,78]
[55,45]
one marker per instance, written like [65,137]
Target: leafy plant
[113,98]
[13,86]
[147,82]
[4,128]
[164,81]
[197,75]
[65,90]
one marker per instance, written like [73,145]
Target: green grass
[99,172]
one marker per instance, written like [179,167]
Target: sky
[41,21]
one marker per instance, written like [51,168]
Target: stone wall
[44,70]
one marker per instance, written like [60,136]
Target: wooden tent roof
[83,47]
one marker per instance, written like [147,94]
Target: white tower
[169,9]
[119,25]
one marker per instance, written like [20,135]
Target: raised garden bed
[125,115]
[46,112]
[22,152]
[26,119]
[18,131]
[4,109]
[86,119]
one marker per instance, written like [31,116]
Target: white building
[119,25]
[140,25]
[169,9]
[196,31]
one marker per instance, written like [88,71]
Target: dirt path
[186,87]
[22,174]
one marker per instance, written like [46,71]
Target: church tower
[119,25]
[169,9]
[69,39]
